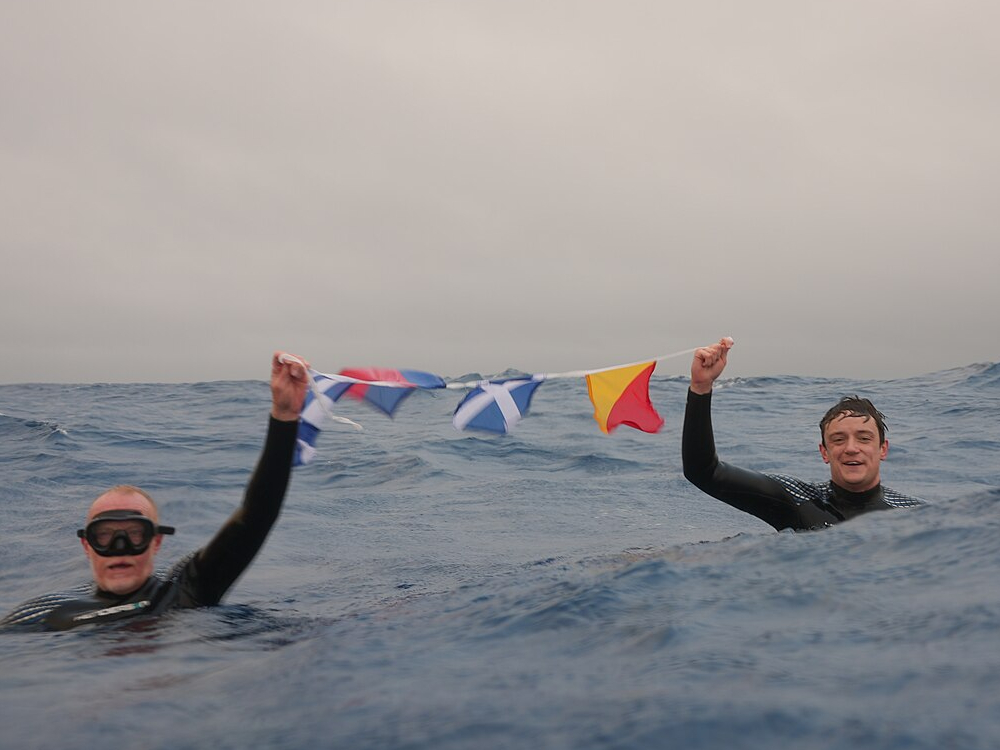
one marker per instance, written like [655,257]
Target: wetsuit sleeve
[749,491]
[217,565]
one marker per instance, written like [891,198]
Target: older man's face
[122,574]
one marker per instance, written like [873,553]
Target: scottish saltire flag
[496,405]
[621,396]
[385,398]
[310,420]
[305,444]
[313,415]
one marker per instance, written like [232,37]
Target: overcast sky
[473,185]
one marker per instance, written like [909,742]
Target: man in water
[853,444]
[123,535]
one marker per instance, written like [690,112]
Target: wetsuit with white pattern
[782,501]
[200,579]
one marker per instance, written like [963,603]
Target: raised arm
[752,492]
[221,561]
[698,441]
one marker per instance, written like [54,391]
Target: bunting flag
[305,444]
[621,396]
[496,405]
[314,414]
[386,398]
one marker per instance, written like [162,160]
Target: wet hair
[126,489]
[854,406]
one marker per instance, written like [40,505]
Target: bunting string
[619,394]
[584,373]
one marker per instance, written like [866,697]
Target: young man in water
[123,534]
[853,444]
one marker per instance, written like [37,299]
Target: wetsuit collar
[110,597]
[857,498]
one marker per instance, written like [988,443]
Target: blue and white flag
[496,405]
[314,415]
[305,444]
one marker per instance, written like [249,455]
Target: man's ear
[824,454]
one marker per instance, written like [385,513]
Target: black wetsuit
[782,501]
[198,580]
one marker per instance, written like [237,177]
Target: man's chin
[120,588]
[857,482]
[121,578]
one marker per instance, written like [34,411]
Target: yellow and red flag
[621,396]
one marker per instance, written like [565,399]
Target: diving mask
[116,533]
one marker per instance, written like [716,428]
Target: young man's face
[122,574]
[851,447]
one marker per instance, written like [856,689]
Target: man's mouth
[120,566]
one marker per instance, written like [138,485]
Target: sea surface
[554,588]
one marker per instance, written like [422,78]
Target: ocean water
[555,588]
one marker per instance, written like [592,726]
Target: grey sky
[466,186]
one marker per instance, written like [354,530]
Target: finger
[708,355]
[297,366]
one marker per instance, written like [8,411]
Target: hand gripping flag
[621,396]
[496,405]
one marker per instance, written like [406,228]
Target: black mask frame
[120,545]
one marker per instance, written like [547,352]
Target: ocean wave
[978,374]
[19,428]
[557,587]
